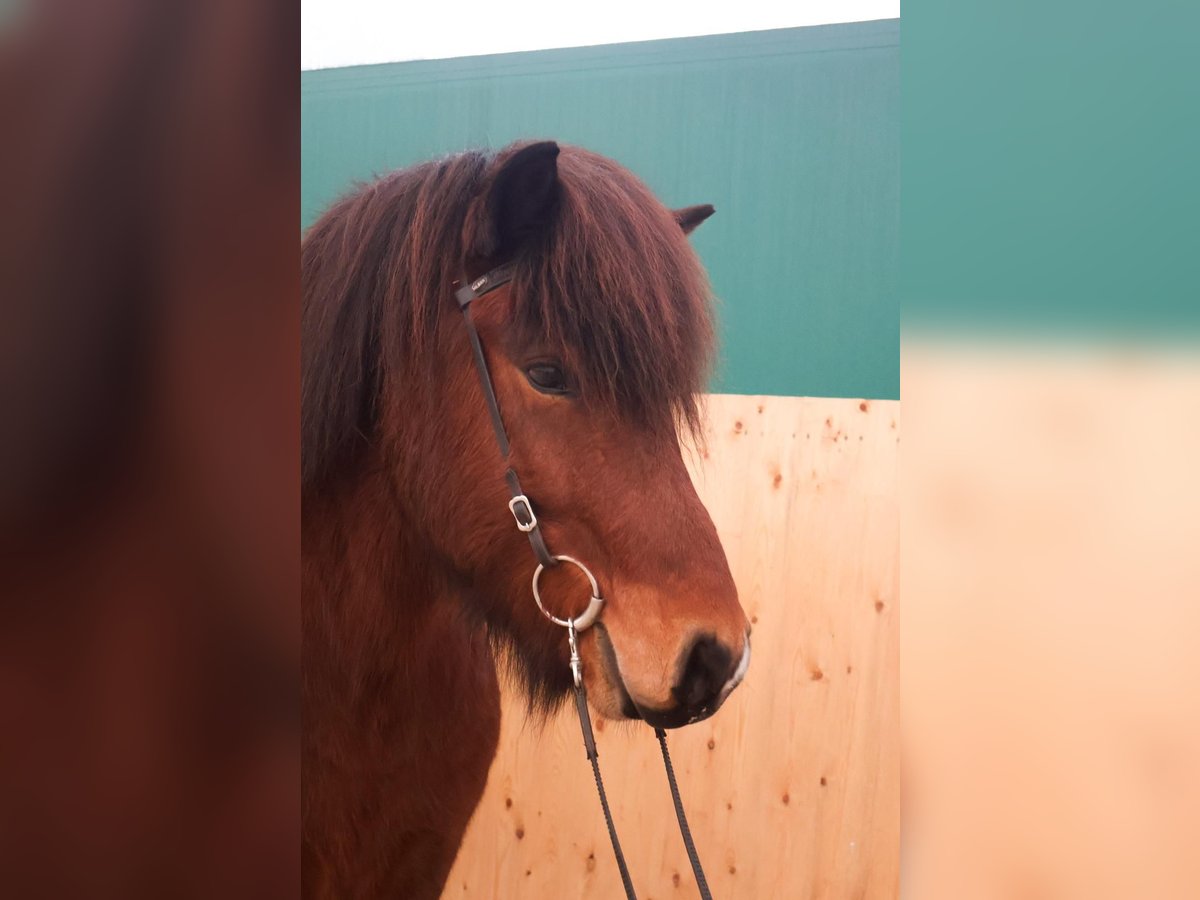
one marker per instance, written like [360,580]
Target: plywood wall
[792,789]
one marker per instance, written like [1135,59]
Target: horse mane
[612,286]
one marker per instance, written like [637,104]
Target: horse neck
[401,701]
[372,589]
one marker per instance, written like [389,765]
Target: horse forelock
[616,289]
[611,285]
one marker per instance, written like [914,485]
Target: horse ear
[691,216]
[522,200]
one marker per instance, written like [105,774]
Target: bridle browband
[527,522]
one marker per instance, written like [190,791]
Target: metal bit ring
[583,622]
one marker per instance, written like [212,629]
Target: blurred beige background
[1051,631]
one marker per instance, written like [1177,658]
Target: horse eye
[547,377]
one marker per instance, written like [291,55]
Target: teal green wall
[794,136]
[1051,169]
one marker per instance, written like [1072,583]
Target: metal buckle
[528,508]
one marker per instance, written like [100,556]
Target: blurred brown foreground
[149,649]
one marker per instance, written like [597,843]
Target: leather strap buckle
[522,511]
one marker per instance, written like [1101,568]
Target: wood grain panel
[793,788]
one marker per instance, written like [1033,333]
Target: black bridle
[527,522]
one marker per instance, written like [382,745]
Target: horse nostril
[705,671]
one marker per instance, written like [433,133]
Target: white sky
[358,32]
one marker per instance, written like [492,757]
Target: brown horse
[414,572]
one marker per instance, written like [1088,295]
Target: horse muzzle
[707,675]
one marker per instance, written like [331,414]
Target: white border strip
[363,32]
